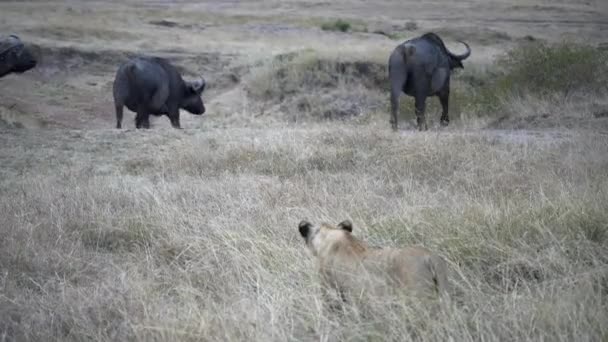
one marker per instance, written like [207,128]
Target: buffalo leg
[175,120]
[420,103]
[397,83]
[444,99]
[395,108]
[140,117]
[137,121]
[145,121]
[119,110]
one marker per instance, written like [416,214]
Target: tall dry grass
[192,236]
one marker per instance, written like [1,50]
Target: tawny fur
[351,267]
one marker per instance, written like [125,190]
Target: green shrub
[544,69]
[411,26]
[336,25]
[538,69]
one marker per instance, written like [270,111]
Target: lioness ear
[304,228]
[346,225]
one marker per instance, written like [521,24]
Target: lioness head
[323,236]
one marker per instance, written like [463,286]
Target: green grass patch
[336,25]
[342,25]
[560,68]
[532,68]
[543,69]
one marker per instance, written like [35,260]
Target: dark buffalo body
[421,67]
[151,85]
[15,57]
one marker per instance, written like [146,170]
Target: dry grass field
[190,235]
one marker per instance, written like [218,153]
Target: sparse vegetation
[411,26]
[535,70]
[562,68]
[336,25]
[310,85]
[344,25]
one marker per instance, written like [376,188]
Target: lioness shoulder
[347,263]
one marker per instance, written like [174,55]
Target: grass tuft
[340,25]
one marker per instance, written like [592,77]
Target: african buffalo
[14,56]
[151,85]
[421,67]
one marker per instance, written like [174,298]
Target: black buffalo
[151,85]
[421,67]
[14,56]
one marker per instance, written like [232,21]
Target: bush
[337,25]
[544,69]
[535,69]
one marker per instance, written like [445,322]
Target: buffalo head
[192,101]
[14,56]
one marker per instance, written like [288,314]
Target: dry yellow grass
[192,235]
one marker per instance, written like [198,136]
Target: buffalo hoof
[422,125]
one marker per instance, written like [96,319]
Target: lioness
[348,265]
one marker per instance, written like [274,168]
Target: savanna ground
[192,234]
